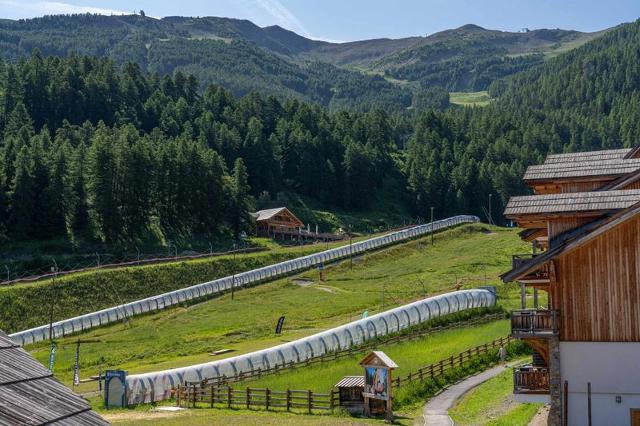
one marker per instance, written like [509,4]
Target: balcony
[530,380]
[539,276]
[534,323]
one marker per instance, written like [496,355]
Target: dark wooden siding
[597,287]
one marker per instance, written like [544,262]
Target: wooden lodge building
[584,225]
[278,222]
[30,395]
[281,223]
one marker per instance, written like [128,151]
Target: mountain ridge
[283,63]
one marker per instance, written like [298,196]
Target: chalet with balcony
[278,222]
[584,224]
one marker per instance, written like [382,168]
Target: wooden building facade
[586,340]
[278,222]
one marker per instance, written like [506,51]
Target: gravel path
[435,413]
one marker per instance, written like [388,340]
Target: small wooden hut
[350,389]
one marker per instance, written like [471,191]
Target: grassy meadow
[470,255]
[492,404]
[470,98]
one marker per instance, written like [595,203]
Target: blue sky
[346,20]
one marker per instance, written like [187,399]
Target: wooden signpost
[378,368]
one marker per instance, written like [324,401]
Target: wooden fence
[211,396]
[438,369]
[346,353]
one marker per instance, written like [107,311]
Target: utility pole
[350,249]
[54,269]
[490,217]
[431,225]
[233,268]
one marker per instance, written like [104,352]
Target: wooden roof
[580,169]
[270,213]
[571,202]
[30,395]
[351,382]
[573,239]
[609,154]
[378,358]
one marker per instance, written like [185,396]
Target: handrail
[534,321]
[530,379]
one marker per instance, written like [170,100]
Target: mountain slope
[469,58]
[234,53]
[245,57]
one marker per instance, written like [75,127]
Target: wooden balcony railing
[530,380]
[539,275]
[534,323]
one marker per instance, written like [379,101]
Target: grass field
[492,404]
[185,335]
[409,355]
[470,98]
[28,305]
[202,417]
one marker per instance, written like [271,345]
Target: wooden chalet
[281,223]
[30,395]
[278,222]
[584,223]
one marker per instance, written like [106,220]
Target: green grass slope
[492,404]
[186,335]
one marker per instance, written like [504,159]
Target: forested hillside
[470,58]
[242,57]
[238,55]
[587,99]
[89,149]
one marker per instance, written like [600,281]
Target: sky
[349,20]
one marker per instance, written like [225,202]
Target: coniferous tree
[22,196]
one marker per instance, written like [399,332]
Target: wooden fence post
[309,400]
[248,398]
[195,394]
[178,396]
[212,390]
[266,398]
[288,399]
[229,396]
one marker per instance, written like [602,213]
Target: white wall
[613,370]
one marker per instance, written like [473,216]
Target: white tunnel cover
[154,303]
[142,388]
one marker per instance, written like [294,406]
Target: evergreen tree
[22,196]
[239,188]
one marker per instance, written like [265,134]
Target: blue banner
[52,355]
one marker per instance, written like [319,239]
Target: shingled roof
[30,395]
[572,202]
[576,157]
[579,169]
